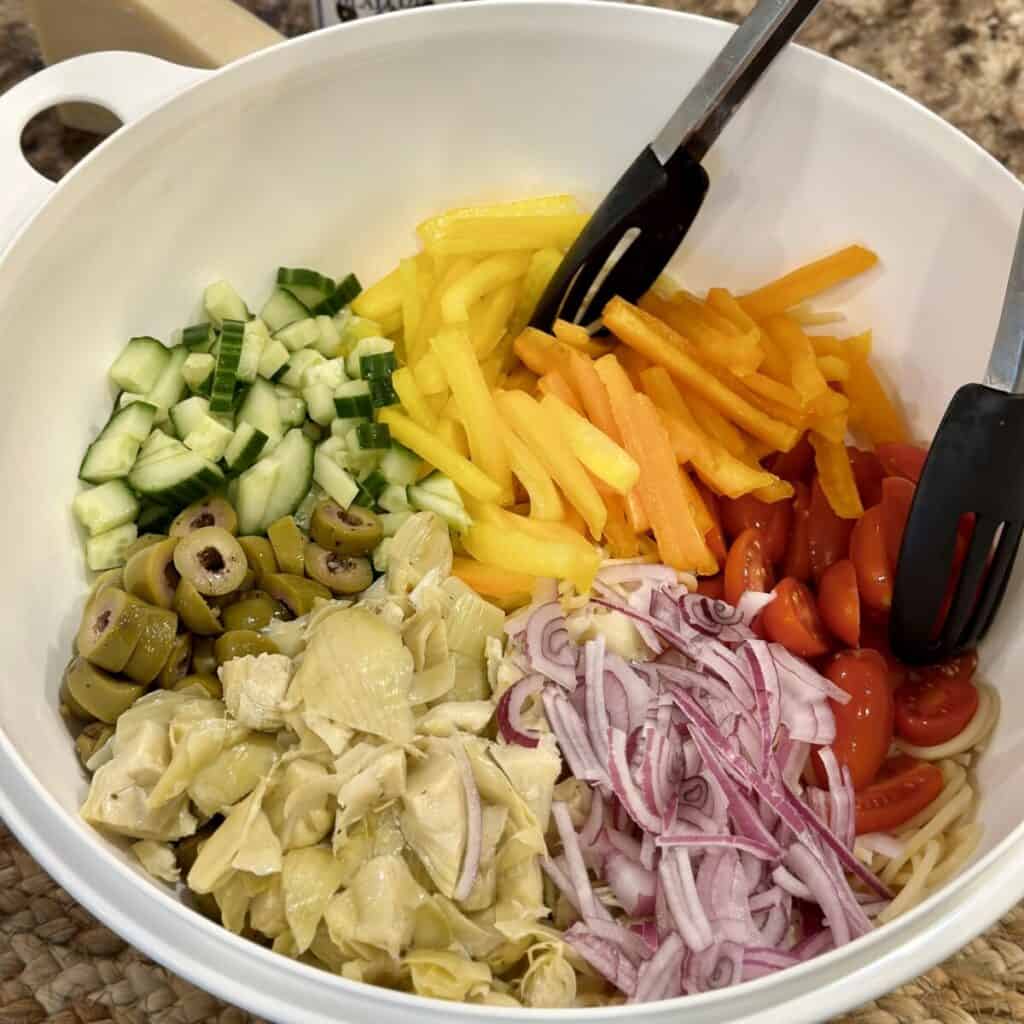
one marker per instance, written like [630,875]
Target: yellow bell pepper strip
[490,273]
[451,432]
[412,297]
[715,424]
[541,352]
[807,281]
[553,383]
[506,234]
[516,551]
[430,375]
[489,326]
[620,536]
[430,321]
[490,581]
[594,448]
[476,407]
[577,338]
[871,409]
[456,467]
[803,364]
[635,328]
[540,431]
[382,299]
[835,473]
[436,228]
[833,368]
[543,264]
[412,398]
[545,501]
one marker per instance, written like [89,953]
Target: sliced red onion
[624,787]
[658,978]
[572,737]
[814,945]
[648,931]
[597,710]
[793,669]
[636,690]
[588,903]
[628,942]
[617,573]
[474,826]
[634,885]
[839,798]
[606,958]
[619,840]
[880,842]
[549,646]
[681,900]
[510,710]
[761,961]
[699,840]
[556,872]
[789,883]
[594,824]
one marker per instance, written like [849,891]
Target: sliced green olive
[109,578]
[288,543]
[99,694]
[154,646]
[204,661]
[110,629]
[178,661]
[195,612]
[209,682]
[150,574]
[253,610]
[260,554]
[239,642]
[91,738]
[347,531]
[342,574]
[212,560]
[296,593]
[143,541]
[211,512]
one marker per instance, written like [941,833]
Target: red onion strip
[698,840]
[682,901]
[624,786]
[510,708]
[597,710]
[660,971]
[607,959]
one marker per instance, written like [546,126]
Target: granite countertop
[961,58]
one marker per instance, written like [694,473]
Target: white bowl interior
[327,153]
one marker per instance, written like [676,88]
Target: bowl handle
[129,84]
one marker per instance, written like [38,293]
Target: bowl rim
[35,812]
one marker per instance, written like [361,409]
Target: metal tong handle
[1004,365]
[700,118]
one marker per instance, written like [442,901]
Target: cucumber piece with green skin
[298,364]
[339,484]
[371,346]
[197,370]
[400,466]
[319,399]
[170,386]
[394,498]
[252,495]
[373,436]
[347,289]
[222,302]
[382,392]
[139,365]
[229,353]
[157,442]
[392,522]
[199,337]
[107,550]
[309,286]
[245,448]
[127,397]
[329,344]
[282,309]
[186,415]
[115,449]
[273,359]
[299,335]
[175,476]
[105,507]
[254,341]
[451,512]
[377,365]
[292,409]
[328,371]
[155,518]
[260,409]
[352,399]
[342,426]
[209,438]
[294,456]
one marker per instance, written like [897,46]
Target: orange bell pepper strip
[553,383]
[871,409]
[803,363]
[835,474]
[491,581]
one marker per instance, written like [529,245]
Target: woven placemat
[962,58]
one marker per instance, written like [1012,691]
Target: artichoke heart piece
[233,775]
[255,686]
[421,545]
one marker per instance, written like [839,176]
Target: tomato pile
[833,584]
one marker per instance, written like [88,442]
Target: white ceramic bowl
[325,152]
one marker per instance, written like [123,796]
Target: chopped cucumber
[170,385]
[337,482]
[390,524]
[128,397]
[294,455]
[157,441]
[245,448]
[292,410]
[139,365]
[329,344]
[343,426]
[359,459]
[382,552]
[400,466]
[295,376]
[198,369]
[377,365]
[355,329]
[222,302]
[254,341]
[260,409]
[229,352]
[330,372]
[155,518]
[112,454]
[382,392]
[274,359]
[373,435]
[105,507]
[282,309]
[436,493]
[199,337]
[319,400]
[175,475]
[252,497]
[299,335]
[308,286]
[209,439]
[344,292]
[187,415]
[107,550]
[438,484]
[352,399]
[335,448]
[373,345]
[394,498]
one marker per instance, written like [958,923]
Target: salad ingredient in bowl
[298,690]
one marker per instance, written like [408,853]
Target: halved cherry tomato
[864,725]
[771,518]
[712,586]
[905,460]
[797,562]
[870,559]
[792,620]
[747,567]
[828,536]
[938,702]
[839,601]
[904,787]
[868,472]
[797,463]
[897,497]
[714,538]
